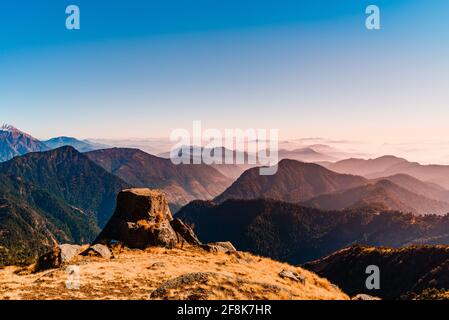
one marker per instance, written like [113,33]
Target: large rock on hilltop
[141,219]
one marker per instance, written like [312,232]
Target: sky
[140,69]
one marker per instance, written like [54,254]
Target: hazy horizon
[422,151]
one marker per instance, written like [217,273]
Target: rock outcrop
[142,219]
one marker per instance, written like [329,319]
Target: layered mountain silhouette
[182,183]
[383,194]
[364,167]
[14,142]
[405,272]
[313,185]
[294,182]
[305,155]
[293,233]
[426,189]
[390,165]
[80,145]
[231,163]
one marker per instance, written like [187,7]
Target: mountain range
[64,189]
[228,166]
[313,185]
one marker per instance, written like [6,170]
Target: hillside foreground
[157,273]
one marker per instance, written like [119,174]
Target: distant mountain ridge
[228,166]
[364,167]
[307,154]
[80,145]
[384,194]
[426,189]
[294,182]
[182,183]
[14,142]
[390,165]
[313,185]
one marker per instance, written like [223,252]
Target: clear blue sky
[308,68]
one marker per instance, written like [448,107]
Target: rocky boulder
[57,257]
[287,274]
[226,247]
[98,250]
[185,232]
[141,219]
[363,296]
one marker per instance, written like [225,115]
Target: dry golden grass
[135,274]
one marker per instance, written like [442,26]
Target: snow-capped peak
[8,127]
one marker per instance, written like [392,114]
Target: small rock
[226,247]
[293,276]
[185,232]
[363,296]
[56,257]
[69,251]
[157,265]
[179,282]
[98,250]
